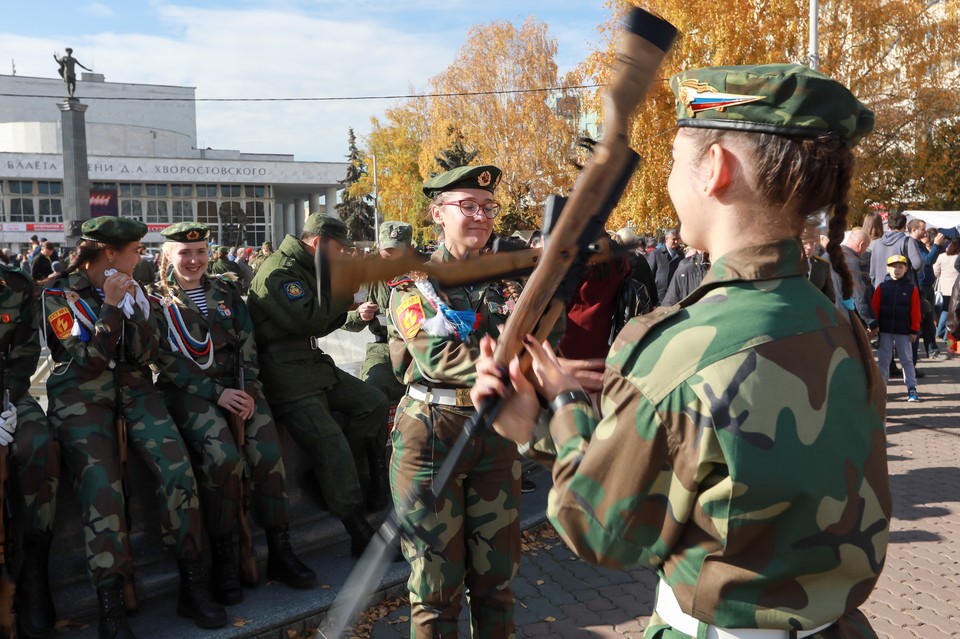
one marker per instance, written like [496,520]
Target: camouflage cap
[783,99]
[186,232]
[112,230]
[329,227]
[485,176]
[395,235]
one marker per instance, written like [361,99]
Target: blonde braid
[164,282]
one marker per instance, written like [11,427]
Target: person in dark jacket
[665,260]
[854,248]
[896,303]
[687,278]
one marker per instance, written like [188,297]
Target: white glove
[8,424]
[126,304]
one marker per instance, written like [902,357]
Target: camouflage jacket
[741,454]
[86,358]
[284,307]
[19,320]
[379,294]
[230,328]
[420,358]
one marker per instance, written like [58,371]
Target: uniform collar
[294,248]
[772,261]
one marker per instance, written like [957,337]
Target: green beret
[112,230]
[329,227]
[783,99]
[395,235]
[186,232]
[485,177]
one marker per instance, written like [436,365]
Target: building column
[295,218]
[76,181]
[330,200]
[314,203]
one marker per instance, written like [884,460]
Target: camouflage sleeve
[180,370]
[25,345]
[248,344]
[420,357]
[141,335]
[94,354]
[293,306]
[618,499]
[354,324]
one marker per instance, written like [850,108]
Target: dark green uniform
[83,335]
[302,383]
[191,393]
[35,450]
[477,518]
[223,265]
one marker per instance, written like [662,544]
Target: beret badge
[484,178]
[699,96]
[192,235]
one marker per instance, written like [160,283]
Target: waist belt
[293,344]
[442,396]
[668,608]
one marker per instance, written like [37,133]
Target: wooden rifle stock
[8,587]
[130,600]
[249,569]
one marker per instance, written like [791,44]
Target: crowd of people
[681,382]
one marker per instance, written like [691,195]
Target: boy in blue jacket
[896,304]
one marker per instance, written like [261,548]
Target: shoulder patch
[61,321]
[410,316]
[294,290]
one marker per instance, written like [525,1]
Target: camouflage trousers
[853,625]
[476,522]
[36,455]
[88,440]
[219,463]
[311,424]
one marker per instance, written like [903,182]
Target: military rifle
[123,449]
[8,587]
[643,44]
[249,570]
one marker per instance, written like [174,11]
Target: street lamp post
[814,59]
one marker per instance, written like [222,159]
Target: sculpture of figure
[67,70]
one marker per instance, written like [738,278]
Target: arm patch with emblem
[294,290]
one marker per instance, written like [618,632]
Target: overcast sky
[276,48]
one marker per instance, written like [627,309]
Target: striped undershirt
[199,297]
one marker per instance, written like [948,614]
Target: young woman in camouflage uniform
[98,338]
[741,453]
[199,359]
[434,339]
[32,448]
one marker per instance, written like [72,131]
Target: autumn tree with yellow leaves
[900,57]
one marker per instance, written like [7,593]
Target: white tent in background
[939,219]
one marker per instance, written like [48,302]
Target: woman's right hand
[116,286]
[237,402]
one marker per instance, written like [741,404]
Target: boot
[226,571]
[113,613]
[282,564]
[378,493]
[194,600]
[361,532]
[35,612]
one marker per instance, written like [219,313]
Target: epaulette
[229,278]
[400,280]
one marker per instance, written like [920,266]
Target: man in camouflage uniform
[302,383]
[741,453]
[475,523]
[377,370]
[33,449]
[102,354]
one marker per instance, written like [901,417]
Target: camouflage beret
[783,99]
[112,230]
[186,232]
[329,227]
[485,176]
[395,235]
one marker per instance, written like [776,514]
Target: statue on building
[68,70]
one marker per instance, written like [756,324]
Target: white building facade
[143,163]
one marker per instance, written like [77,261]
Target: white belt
[443,396]
[668,608]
